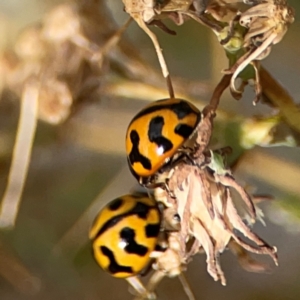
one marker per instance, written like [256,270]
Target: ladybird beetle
[157,132]
[124,234]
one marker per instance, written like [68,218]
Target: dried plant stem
[113,41]
[216,96]
[186,286]
[116,37]
[21,155]
[161,58]
[155,279]
[138,286]
[279,97]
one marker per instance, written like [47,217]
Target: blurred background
[79,165]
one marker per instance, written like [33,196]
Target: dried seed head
[61,24]
[61,61]
[267,22]
[203,199]
[55,101]
[29,45]
[203,192]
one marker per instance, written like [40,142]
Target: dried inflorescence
[60,63]
[202,194]
[267,22]
[55,66]
[51,68]
[248,34]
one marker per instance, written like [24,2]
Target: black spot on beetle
[132,247]
[140,209]
[155,128]
[134,137]
[184,130]
[135,155]
[115,204]
[152,230]
[113,266]
[109,224]
[155,134]
[181,109]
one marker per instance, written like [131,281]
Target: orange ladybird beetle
[124,234]
[156,133]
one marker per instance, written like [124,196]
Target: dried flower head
[64,65]
[203,197]
[267,22]
[60,63]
